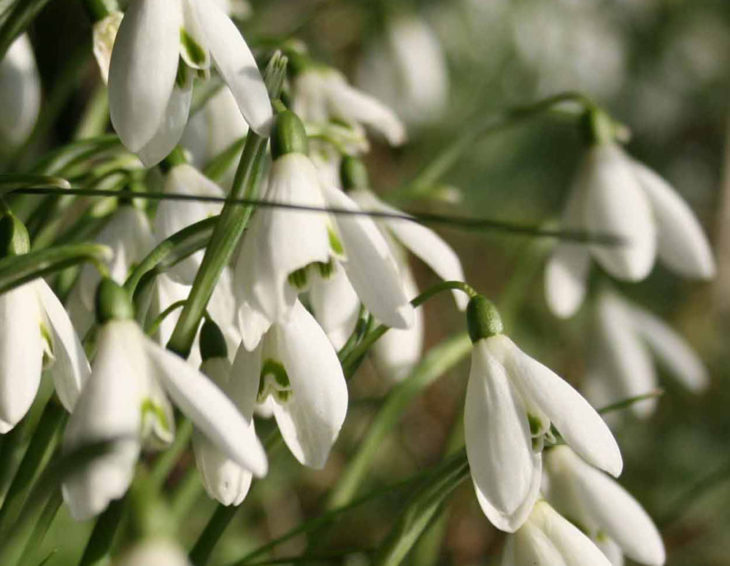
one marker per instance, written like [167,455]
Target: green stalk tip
[482,319]
[112,302]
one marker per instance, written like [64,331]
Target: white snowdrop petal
[310,420]
[143,69]
[209,408]
[173,215]
[575,548]
[336,306]
[20,92]
[616,512]
[108,409]
[622,355]
[498,443]
[682,243]
[671,349]
[21,353]
[615,204]
[580,425]
[171,127]
[370,265]
[70,369]
[421,241]
[566,275]
[237,66]
[281,241]
[353,105]
[398,351]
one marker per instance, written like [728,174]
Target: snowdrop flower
[155,551]
[336,304]
[322,94]
[614,194]
[407,69]
[283,249]
[20,92]
[223,479]
[295,372]
[626,336]
[158,48]
[173,215]
[512,403]
[35,333]
[129,236]
[125,401]
[547,539]
[601,506]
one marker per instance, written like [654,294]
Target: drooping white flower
[150,88]
[512,403]
[223,478]
[155,551]
[601,506]
[407,69]
[173,215]
[125,402]
[34,325]
[321,94]
[20,92]
[614,194]
[35,334]
[548,539]
[283,249]
[397,352]
[296,373]
[626,336]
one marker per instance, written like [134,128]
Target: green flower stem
[95,118]
[230,226]
[169,252]
[439,360]
[442,163]
[626,403]
[155,324]
[167,460]
[212,533]
[185,494]
[20,269]
[42,444]
[352,361]
[102,537]
[223,161]
[424,507]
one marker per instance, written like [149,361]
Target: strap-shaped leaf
[17,270]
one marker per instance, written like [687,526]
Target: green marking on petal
[335,242]
[196,53]
[298,278]
[152,410]
[274,381]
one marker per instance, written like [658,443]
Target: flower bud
[288,135]
[353,173]
[482,319]
[112,302]
[14,238]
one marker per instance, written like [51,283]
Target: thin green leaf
[17,270]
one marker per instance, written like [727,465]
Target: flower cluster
[316,267]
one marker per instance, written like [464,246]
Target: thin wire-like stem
[459,222]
